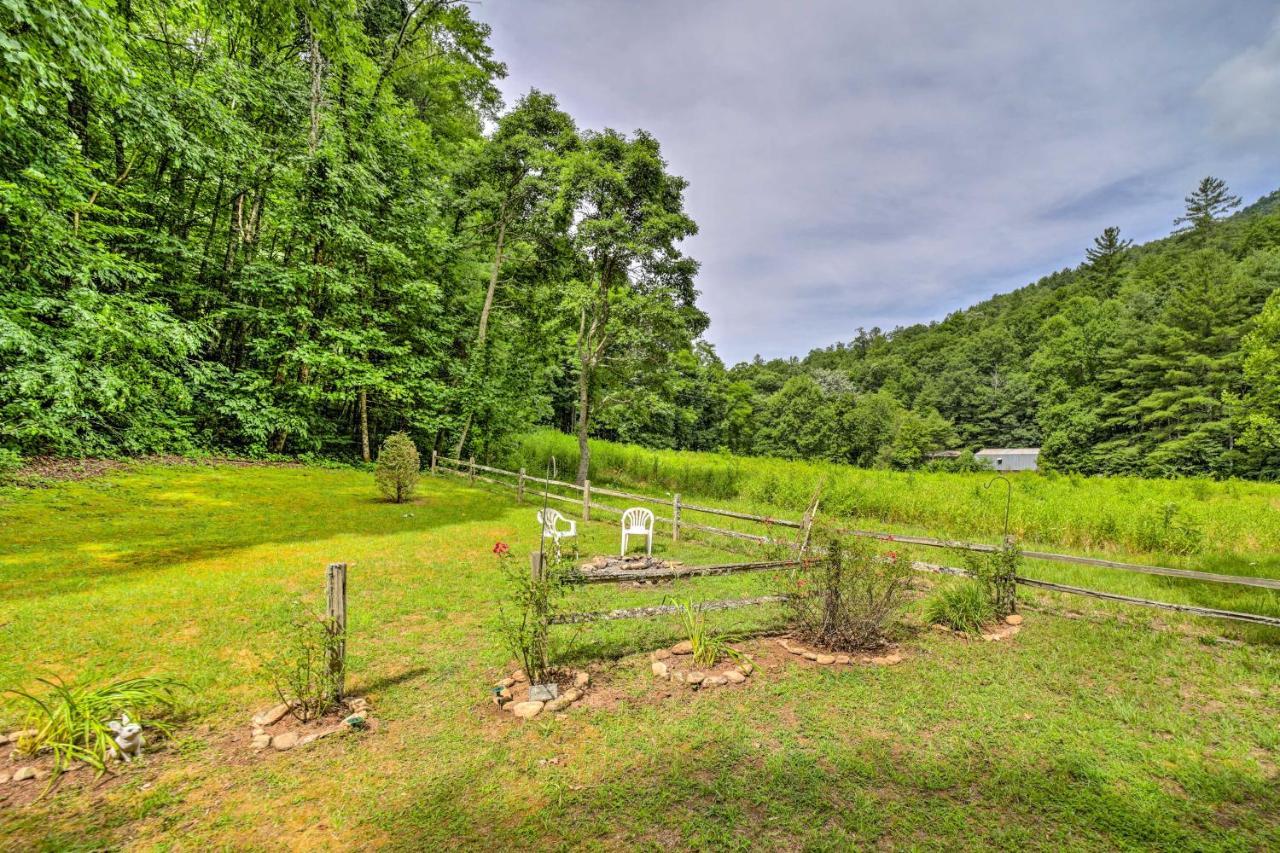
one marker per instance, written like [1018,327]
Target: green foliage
[708,646]
[964,606]
[994,572]
[398,467]
[298,662]
[523,621]
[70,720]
[847,599]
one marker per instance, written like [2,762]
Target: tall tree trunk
[584,451]
[484,324]
[364,424]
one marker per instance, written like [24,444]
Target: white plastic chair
[637,521]
[551,521]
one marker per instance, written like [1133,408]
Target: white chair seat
[555,526]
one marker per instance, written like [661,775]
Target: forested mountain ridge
[1156,359]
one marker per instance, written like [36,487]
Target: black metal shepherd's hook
[1008,498]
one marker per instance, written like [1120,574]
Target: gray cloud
[877,164]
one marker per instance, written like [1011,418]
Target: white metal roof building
[1010,458]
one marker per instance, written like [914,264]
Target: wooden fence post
[675,517]
[471,472]
[336,612]
[520,487]
[535,566]
[433,461]
[586,500]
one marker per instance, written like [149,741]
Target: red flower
[893,555]
[501,548]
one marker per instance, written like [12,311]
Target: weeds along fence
[587,498]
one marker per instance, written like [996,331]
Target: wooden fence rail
[907,539]
[678,522]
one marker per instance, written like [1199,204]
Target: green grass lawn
[1087,732]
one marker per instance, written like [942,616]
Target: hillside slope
[1136,362]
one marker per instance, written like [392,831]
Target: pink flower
[501,548]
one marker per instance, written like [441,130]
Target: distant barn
[1010,458]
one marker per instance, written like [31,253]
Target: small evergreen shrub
[398,465]
[965,606]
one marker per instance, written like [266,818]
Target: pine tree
[1209,202]
[1105,257]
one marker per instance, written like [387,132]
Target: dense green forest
[295,226]
[1156,360]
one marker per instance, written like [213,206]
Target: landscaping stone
[581,679]
[14,737]
[360,704]
[841,659]
[733,676]
[797,650]
[332,730]
[261,741]
[285,741]
[659,669]
[811,656]
[22,774]
[506,682]
[271,715]
[543,692]
[661,654]
[714,681]
[518,677]
[746,667]
[684,647]
[259,730]
[4,778]
[678,677]
[695,677]
[527,710]
[825,660]
[1013,619]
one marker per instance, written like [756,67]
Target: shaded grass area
[1077,734]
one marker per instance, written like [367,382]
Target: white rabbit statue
[128,738]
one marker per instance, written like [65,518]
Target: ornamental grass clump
[72,721]
[848,599]
[397,469]
[708,646]
[965,606]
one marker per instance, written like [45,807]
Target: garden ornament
[128,738]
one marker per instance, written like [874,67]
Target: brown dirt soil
[40,470]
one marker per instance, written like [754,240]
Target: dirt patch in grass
[47,470]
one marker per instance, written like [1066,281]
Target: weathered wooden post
[336,613]
[433,461]
[520,487]
[675,517]
[471,470]
[586,500]
[535,566]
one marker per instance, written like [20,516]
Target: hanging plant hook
[1008,498]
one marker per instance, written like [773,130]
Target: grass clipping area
[1085,732]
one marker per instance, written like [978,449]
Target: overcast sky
[877,164]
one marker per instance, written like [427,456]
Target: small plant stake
[336,613]
[675,517]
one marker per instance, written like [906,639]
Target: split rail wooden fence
[586,498]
